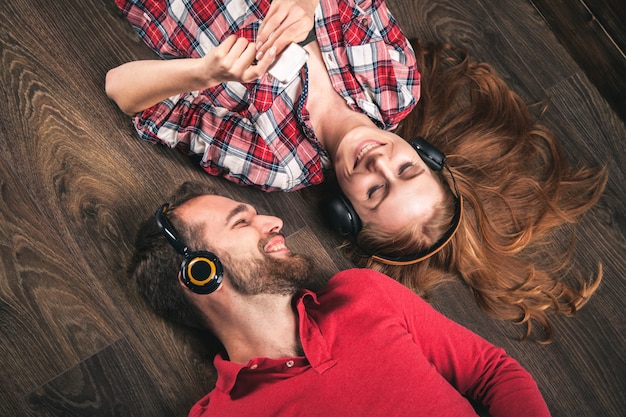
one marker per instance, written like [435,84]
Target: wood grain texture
[110,383]
[611,15]
[75,337]
[593,33]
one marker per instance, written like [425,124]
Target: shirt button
[254,366]
[365,21]
[289,363]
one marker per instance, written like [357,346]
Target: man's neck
[259,326]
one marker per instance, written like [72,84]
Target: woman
[218,102]
[518,189]
[360,80]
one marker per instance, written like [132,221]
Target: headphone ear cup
[342,217]
[431,156]
[202,272]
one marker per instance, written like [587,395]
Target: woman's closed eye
[373,191]
[404,168]
[406,171]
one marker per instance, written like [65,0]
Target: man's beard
[278,276]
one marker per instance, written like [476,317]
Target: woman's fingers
[287,21]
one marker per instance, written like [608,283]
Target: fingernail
[259,55]
[272,51]
[259,45]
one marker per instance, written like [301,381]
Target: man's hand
[234,60]
[286,21]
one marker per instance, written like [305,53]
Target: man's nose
[268,224]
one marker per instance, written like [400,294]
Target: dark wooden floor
[76,340]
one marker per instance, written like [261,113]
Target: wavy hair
[520,195]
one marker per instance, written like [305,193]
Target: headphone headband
[443,241]
[200,271]
[440,244]
[168,230]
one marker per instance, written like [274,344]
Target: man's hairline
[198,223]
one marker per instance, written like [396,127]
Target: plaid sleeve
[247,133]
[371,57]
[262,149]
[189,28]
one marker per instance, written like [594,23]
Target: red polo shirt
[373,348]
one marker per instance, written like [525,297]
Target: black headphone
[344,219]
[200,271]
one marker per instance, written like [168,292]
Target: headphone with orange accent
[200,271]
[344,219]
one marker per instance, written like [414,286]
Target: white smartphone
[288,63]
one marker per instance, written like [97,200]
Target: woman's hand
[286,21]
[234,60]
[137,85]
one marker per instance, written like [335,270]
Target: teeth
[276,247]
[365,150]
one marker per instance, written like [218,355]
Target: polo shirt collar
[316,351]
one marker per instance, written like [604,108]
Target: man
[363,345]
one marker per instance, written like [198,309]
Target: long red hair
[520,194]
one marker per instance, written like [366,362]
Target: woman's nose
[379,163]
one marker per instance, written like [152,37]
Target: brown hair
[519,191]
[155,264]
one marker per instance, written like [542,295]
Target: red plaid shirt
[259,133]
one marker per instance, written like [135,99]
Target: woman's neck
[331,117]
[339,127]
